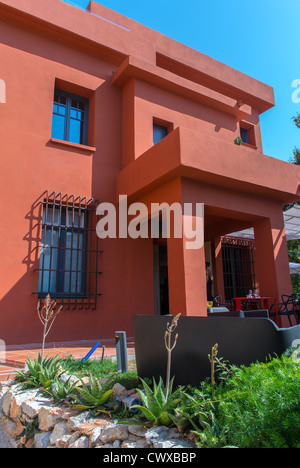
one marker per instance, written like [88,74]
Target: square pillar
[186,272]
[272,262]
[217,262]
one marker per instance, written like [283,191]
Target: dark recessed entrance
[160,279]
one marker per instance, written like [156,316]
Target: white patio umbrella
[291,222]
[294,268]
[292,229]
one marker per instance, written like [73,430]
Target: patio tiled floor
[16,356]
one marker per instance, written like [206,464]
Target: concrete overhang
[133,67]
[193,155]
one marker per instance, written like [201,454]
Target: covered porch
[238,188]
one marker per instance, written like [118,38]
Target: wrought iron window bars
[69,251]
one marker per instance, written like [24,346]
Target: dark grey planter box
[240,341]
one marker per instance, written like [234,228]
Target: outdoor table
[265,300]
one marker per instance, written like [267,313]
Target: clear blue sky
[259,37]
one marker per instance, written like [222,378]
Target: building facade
[95,106]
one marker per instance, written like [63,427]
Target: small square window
[247,133]
[70,118]
[159,132]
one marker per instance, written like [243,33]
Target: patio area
[16,355]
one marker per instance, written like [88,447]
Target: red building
[97,106]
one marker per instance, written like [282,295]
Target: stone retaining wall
[50,425]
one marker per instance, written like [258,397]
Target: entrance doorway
[160,279]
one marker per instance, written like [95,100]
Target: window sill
[249,146]
[69,144]
[71,302]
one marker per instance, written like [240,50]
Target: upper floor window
[159,132]
[247,133]
[70,117]
[244,135]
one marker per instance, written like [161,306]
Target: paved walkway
[16,355]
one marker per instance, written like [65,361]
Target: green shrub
[257,407]
[261,405]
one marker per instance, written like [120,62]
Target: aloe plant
[62,391]
[40,373]
[158,405]
[94,395]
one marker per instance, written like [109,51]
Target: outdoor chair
[285,309]
[217,301]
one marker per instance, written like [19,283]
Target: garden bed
[65,404]
[37,416]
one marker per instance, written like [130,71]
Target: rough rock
[142,443]
[76,421]
[6,441]
[156,433]
[68,439]
[42,440]
[33,406]
[8,398]
[137,430]
[10,427]
[112,432]
[82,442]
[60,429]
[95,436]
[118,389]
[48,416]
[87,427]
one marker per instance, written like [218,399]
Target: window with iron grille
[238,267]
[68,268]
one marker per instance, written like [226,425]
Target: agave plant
[94,395]
[62,391]
[158,405]
[40,373]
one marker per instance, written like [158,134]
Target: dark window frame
[69,97]
[244,135]
[247,133]
[60,271]
[73,240]
[238,267]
